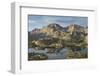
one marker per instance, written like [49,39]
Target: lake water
[58,54]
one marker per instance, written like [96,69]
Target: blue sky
[39,21]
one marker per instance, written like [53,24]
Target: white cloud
[31,21]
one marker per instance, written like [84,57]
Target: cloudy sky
[38,21]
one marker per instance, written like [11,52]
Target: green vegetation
[76,54]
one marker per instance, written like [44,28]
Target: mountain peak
[75,27]
[54,25]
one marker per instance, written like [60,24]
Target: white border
[19,28]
